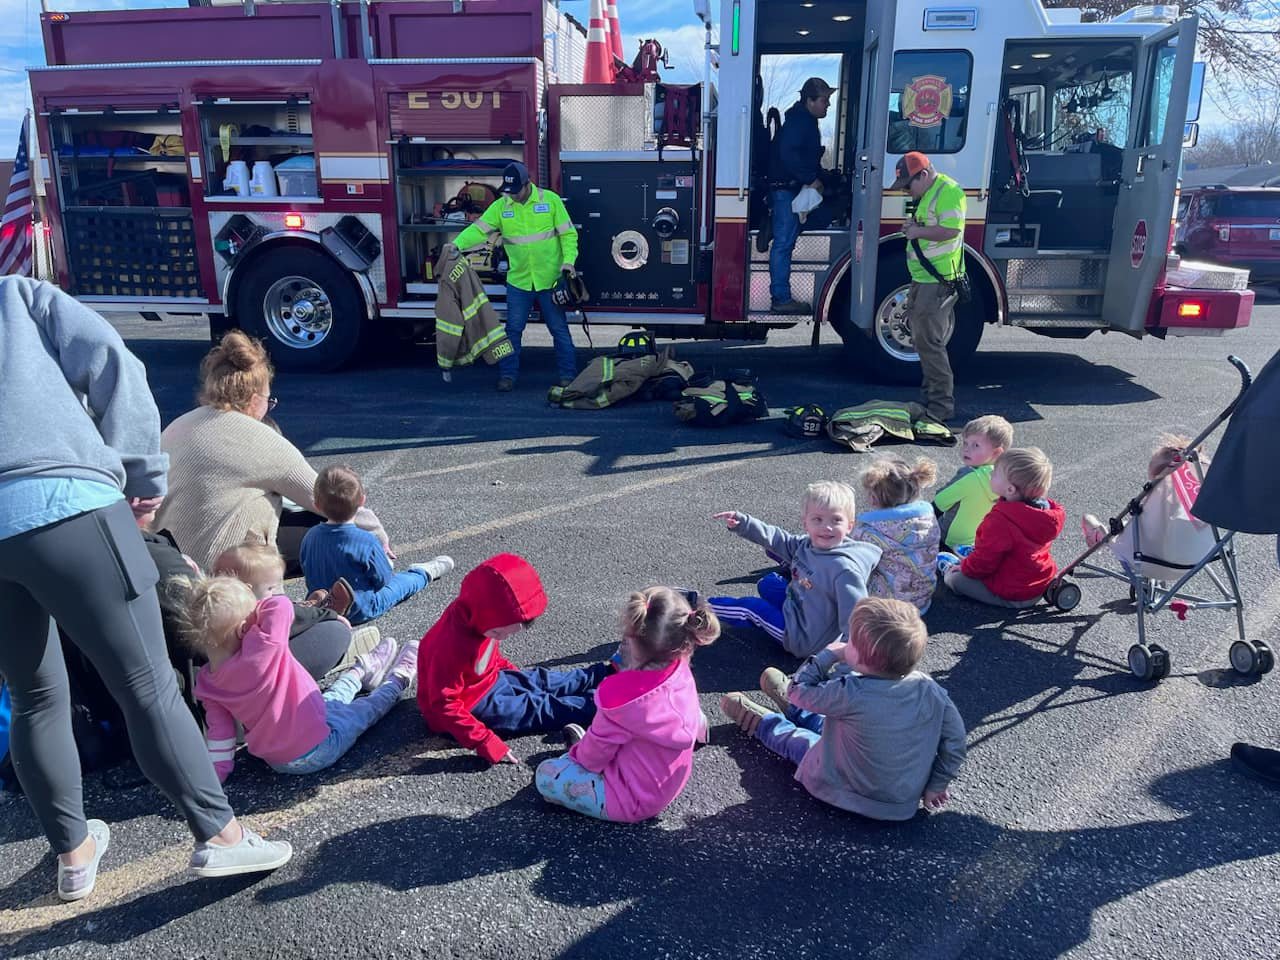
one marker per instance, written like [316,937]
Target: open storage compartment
[258,149]
[448,156]
[125,202]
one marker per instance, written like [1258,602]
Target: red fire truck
[292,168]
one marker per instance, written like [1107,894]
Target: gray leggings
[977,590]
[92,574]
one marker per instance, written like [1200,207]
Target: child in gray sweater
[875,736]
[828,572]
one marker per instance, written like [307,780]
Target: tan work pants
[929,311]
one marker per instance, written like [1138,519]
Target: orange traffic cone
[599,68]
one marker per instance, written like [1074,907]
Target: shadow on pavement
[810,874]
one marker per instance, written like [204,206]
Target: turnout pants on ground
[533,701]
[519,305]
[930,310]
[93,576]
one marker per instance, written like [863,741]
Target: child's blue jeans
[347,718]
[371,604]
[763,612]
[790,735]
[531,701]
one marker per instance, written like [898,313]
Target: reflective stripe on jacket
[942,206]
[538,234]
[467,326]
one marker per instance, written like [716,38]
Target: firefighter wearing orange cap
[935,258]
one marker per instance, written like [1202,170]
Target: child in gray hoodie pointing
[828,572]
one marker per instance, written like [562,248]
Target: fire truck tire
[304,307]
[887,355]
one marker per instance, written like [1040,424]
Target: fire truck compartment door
[1149,175]
[869,167]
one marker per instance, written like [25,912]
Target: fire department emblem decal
[927,101]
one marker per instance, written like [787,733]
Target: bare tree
[1253,141]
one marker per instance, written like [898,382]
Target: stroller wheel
[1267,659]
[1245,658]
[1140,664]
[1067,597]
[1159,661]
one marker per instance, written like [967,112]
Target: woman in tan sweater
[229,471]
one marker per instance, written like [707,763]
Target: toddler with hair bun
[638,753]
[905,529]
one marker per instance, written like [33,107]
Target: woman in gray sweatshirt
[79,455]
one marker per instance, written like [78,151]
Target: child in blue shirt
[347,566]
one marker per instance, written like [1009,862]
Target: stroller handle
[1246,377]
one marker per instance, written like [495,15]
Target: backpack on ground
[860,426]
[711,402]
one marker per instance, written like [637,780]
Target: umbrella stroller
[1161,548]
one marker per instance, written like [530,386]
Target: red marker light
[293,221]
[1192,310]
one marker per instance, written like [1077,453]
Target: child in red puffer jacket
[1011,563]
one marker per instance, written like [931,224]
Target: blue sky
[671,21]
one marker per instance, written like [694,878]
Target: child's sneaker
[947,561]
[774,683]
[405,669]
[573,734]
[435,568]
[252,854]
[743,711]
[964,550]
[376,663]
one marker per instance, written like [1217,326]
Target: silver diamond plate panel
[1043,273]
[815,248]
[758,300]
[1208,276]
[1045,304]
[273,220]
[606,123]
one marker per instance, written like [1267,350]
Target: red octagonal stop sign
[1138,248]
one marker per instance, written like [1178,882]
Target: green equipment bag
[868,423]
[707,402]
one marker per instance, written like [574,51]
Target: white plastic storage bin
[297,176]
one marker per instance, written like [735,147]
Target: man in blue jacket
[793,165]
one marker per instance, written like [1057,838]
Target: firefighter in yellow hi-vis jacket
[541,244]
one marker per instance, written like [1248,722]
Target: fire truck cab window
[929,100]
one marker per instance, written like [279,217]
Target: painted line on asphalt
[981,892]
[455,468]
[551,510]
[132,880]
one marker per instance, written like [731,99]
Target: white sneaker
[252,854]
[435,568]
[376,663]
[76,883]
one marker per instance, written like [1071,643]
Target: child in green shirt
[967,498]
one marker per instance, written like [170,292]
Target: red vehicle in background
[1236,227]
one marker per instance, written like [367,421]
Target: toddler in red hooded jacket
[638,754]
[1011,563]
[469,690]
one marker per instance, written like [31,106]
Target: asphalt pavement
[1097,816]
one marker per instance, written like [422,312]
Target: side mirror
[1190,135]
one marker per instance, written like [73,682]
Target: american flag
[15,224]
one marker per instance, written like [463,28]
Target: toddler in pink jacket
[253,678]
[638,754]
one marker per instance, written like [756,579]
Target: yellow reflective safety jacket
[467,326]
[538,235]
